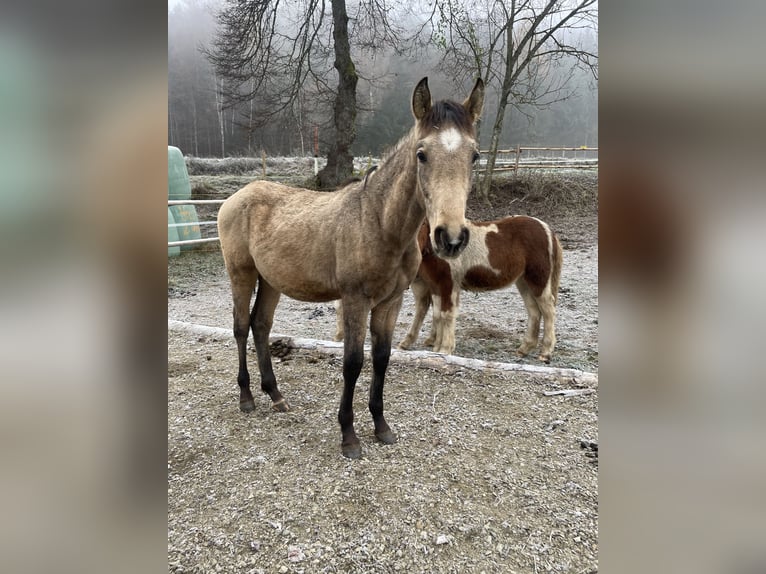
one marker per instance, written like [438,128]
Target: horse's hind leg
[422,296]
[529,341]
[243,281]
[382,323]
[548,308]
[261,320]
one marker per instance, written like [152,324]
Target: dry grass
[548,193]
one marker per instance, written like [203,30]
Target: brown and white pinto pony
[517,249]
[358,245]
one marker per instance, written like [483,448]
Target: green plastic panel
[172,235]
[179,186]
[186,214]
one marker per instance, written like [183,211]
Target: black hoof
[247,406]
[352,451]
[281,406]
[386,437]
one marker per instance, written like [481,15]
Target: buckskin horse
[358,245]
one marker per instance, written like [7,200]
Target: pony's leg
[354,323]
[435,337]
[422,296]
[338,321]
[382,323]
[445,336]
[529,341]
[548,308]
[242,284]
[261,320]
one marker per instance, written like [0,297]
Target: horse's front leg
[444,341]
[338,321]
[354,323]
[382,323]
[422,295]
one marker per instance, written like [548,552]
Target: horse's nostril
[439,234]
[450,246]
[464,237]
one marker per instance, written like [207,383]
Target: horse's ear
[475,102]
[421,100]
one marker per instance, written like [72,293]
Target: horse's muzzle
[447,246]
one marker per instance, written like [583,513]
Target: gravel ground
[488,474]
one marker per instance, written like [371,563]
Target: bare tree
[276,51]
[518,47]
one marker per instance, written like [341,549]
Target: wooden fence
[513,159]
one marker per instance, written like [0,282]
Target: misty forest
[247,77]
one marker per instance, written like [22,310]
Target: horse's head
[446,150]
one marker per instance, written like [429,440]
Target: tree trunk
[220,111]
[493,145]
[340,162]
[497,128]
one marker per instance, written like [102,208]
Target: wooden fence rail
[548,162]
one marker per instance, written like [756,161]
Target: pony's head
[446,150]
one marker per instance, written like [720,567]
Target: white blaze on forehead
[451,139]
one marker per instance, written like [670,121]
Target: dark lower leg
[246,403]
[382,323]
[353,359]
[243,278]
[268,379]
[381,352]
[261,321]
[354,320]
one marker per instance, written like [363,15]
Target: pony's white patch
[451,139]
[475,254]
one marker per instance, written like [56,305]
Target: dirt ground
[488,475]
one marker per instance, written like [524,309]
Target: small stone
[442,539]
[295,553]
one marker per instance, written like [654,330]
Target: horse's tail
[556,258]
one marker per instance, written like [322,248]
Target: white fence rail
[192,224]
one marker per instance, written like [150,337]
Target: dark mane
[448,112]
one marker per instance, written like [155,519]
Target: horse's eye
[475,157]
[421,156]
